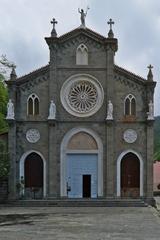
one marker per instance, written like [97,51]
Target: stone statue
[10,110]
[110,111]
[83,16]
[52,111]
[151,111]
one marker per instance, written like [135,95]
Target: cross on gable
[54,22]
[150,67]
[110,22]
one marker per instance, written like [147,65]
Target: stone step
[79,203]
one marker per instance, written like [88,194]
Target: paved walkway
[17,223]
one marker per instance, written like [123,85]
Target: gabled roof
[86,31]
[33,74]
[129,74]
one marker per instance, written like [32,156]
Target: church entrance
[33,176]
[130,176]
[81,164]
[86,186]
[81,175]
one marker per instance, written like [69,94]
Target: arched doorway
[33,176]
[32,169]
[130,176]
[81,164]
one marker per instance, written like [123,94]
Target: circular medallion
[130,136]
[32,135]
[82,95]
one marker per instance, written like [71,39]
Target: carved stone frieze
[30,84]
[129,83]
[81,39]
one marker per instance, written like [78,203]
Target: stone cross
[54,33]
[54,22]
[150,67]
[110,22]
[150,75]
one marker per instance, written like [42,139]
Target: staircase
[78,203]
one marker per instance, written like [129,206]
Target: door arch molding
[64,152]
[119,171]
[22,163]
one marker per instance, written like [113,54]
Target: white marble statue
[109,111]
[10,110]
[151,111]
[52,111]
[83,16]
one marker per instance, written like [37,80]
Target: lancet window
[130,105]
[33,105]
[82,55]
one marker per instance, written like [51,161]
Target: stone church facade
[82,126]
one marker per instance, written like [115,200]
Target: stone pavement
[49,223]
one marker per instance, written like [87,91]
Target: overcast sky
[25,23]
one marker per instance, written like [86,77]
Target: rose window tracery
[82,96]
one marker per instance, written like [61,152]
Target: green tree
[5,67]
[3,104]
[157,139]
[4,163]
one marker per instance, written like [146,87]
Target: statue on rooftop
[83,16]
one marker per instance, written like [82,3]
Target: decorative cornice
[36,73]
[127,73]
[74,33]
[86,31]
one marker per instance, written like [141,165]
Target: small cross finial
[54,33]
[13,75]
[150,74]
[150,67]
[110,22]
[54,22]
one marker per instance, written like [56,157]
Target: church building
[81,126]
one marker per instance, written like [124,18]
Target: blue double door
[81,175]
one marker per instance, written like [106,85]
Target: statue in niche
[52,111]
[109,111]
[10,110]
[151,110]
[83,16]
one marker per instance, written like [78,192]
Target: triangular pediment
[82,31]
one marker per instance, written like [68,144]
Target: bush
[4,160]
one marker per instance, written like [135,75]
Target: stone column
[52,124]
[52,163]
[111,48]
[110,159]
[149,160]
[12,140]
[12,158]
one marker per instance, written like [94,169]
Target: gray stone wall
[116,87]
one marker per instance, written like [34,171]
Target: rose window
[82,96]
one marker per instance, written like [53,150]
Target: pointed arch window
[82,55]
[33,105]
[130,105]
